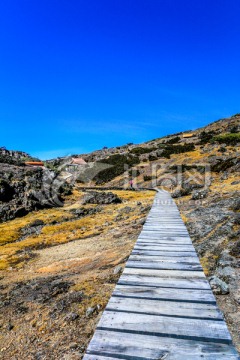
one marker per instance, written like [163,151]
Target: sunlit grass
[67,227]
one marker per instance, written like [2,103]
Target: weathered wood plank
[168,241]
[195,329]
[163,248]
[163,253]
[142,279]
[161,242]
[164,258]
[134,346]
[167,273]
[141,264]
[187,295]
[188,299]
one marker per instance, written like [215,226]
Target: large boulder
[100,197]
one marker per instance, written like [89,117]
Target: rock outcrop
[24,189]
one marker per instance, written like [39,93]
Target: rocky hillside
[201,170]
[14,157]
[60,264]
[25,188]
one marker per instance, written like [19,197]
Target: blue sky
[79,75]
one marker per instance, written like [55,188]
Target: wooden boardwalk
[162,306]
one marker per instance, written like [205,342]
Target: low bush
[234,129]
[118,163]
[228,139]
[142,150]
[147,177]
[152,157]
[223,165]
[206,137]
[174,140]
[176,149]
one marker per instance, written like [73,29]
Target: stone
[199,194]
[90,311]
[125,210]
[101,197]
[218,286]
[235,251]
[141,222]
[25,189]
[226,273]
[71,317]
[235,183]
[10,326]
[118,269]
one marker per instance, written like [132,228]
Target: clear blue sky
[79,75]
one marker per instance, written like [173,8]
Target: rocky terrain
[59,264]
[26,188]
[59,267]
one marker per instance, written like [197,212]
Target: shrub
[176,149]
[223,165]
[234,129]
[152,157]
[206,137]
[147,177]
[117,161]
[222,149]
[173,140]
[229,139]
[142,150]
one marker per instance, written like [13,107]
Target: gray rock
[199,194]
[235,251]
[218,286]
[80,212]
[25,189]
[90,311]
[71,317]
[235,183]
[226,273]
[141,222]
[224,176]
[125,210]
[118,269]
[10,326]
[100,197]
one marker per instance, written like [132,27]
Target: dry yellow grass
[67,229]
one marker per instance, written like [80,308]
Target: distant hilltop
[14,157]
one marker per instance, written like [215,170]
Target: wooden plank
[138,347]
[164,248]
[157,281]
[163,253]
[141,264]
[195,329]
[147,292]
[164,243]
[165,240]
[167,273]
[95,356]
[185,259]
[164,294]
